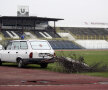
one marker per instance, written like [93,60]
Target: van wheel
[20,63]
[0,62]
[44,65]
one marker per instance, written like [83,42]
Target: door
[19,49]
[14,51]
[5,53]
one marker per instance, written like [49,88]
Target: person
[22,37]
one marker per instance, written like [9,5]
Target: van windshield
[40,45]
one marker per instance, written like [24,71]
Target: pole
[54,29]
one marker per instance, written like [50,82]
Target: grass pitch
[90,57]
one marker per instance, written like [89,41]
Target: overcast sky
[74,12]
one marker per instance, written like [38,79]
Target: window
[23,45]
[9,46]
[16,45]
[40,45]
[19,45]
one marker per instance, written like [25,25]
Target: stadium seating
[66,35]
[19,33]
[5,34]
[46,34]
[52,32]
[29,35]
[87,33]
[37,34]
[93,44]
[74,43]
[64,44]
[11,34]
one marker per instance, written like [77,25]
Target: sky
[76,13]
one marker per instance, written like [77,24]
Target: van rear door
[40,48]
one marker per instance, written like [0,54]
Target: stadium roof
[30,17]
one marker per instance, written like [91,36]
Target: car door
[19,49]
[5,53]
[23,52]
[14,51]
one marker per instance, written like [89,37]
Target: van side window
[16,45]
[23,45]
[9,46]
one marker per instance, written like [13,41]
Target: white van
[25,52]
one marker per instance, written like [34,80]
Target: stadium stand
[19,33]
[46,34]
[93,44]
[11,34]
[37,34]
[39,25]
[64,44]
[29,35]
[32,27]
[87,33]
[6,35]
[52,32]
[67,35]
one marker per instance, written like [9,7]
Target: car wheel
[0,62]
[44,65]
[20,63]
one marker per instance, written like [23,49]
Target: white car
[25,52]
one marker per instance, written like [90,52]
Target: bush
[69,65]
[77,64]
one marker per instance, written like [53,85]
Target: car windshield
[40,45]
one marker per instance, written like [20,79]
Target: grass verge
[99,74]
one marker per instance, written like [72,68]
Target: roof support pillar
[22,27]
[34,24]
[16,24]
[54,28]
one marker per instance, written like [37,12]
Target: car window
[40,45]
[9,46]
[16,45]
[23,45]
[19,45]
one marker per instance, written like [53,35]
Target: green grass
[99,74]
[90,57]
